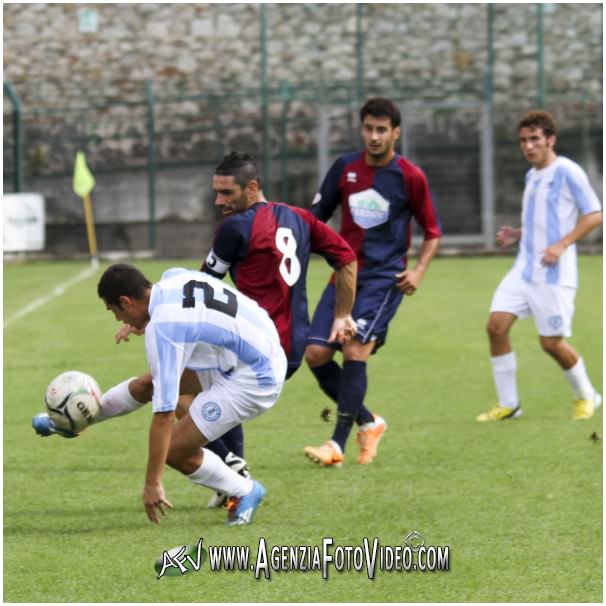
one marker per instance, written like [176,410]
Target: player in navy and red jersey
[266,246]
[379,193]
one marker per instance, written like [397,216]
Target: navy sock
[234,440]
[351,398]
[218,447]
[329,378]
[364,416]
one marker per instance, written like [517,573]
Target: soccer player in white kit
[194,321]
[559,207]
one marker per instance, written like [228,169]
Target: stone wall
[437,51]
[87,90]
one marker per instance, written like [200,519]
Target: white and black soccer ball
[73,400]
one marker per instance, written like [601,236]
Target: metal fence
[468,151]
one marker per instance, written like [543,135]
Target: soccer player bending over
[194,321]
[543,280]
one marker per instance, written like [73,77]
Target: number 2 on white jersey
[287,245]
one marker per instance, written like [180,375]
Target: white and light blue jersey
[200,323]
[554,197]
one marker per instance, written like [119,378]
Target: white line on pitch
[56,292]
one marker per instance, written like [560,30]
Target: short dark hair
[537,118]
[241,166]
[122,280]
[380,107]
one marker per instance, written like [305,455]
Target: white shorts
[551,305]
[228,401]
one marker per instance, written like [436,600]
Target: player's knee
[316,355]
[183,405]
[141,388]
[496,329]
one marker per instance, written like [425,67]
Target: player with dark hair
[119,280]
[266,247]
[193,321]
[559,207]
[379,192]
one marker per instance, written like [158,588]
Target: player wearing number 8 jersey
[266,246]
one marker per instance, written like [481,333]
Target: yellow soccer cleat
[326,455]
[368,440]
[584,409]
[500,413]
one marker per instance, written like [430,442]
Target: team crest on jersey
[369,208]
[555,322]
[211,411]
[352,177]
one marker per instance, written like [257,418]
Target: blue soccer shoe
[240,510]
[43,425]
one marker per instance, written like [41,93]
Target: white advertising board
[24,227]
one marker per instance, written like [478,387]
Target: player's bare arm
[508,236]
[344,327]
[586,224]
[154,499]
[409,280]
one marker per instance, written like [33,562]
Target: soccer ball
[73,400]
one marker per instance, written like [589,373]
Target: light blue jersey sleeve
[166,362]
[580,189]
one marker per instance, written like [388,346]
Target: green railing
[168,126]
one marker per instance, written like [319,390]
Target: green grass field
[519,503]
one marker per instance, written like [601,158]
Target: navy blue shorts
[373,310]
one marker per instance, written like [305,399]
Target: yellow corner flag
[83,185]
[83,179]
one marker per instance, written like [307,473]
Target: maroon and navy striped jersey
[266,250]
[377,206]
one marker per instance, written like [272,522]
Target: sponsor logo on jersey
[211,411]
[369,208]
[352,177]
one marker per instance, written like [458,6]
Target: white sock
[336,447]
[117,401]
[579,381]
[504,373]
[215,474]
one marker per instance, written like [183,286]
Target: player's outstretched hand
[126,330]
[507,236]
[154,501]
[343,329]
